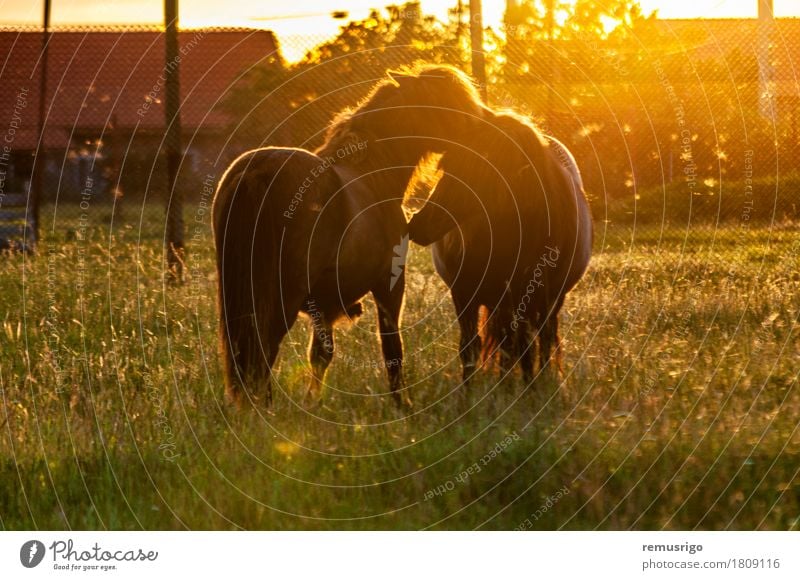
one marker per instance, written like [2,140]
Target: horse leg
[390,304]
[320,353]
[556,338]
[549,340]
[525,347]
[551,346]
[507,338]
[271,348]
[469,343]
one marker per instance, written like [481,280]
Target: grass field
[678,408]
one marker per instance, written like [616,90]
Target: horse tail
[493,332]
[488,343]
[264,213]
[244,229]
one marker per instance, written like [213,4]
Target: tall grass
[677,408]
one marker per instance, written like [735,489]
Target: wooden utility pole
[766,72]
[172,145]
[476,44]
[40,162]
[459,22]
[550,75]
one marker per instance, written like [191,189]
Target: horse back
[269,205]
[573,212]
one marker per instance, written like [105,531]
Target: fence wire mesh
[678,402]
[671,121]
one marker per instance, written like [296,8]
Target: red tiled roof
[97,78]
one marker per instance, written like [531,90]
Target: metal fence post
[476,45]
[40,162]
[174,235]
[766,70]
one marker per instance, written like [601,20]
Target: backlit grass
[678,407]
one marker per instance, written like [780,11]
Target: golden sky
[244,11]
[297,21]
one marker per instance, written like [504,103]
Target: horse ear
[353,148]
[398,77]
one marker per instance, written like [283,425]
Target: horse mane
[455,87]
[513,123]
[517,173]
[529,149]
[343,122]
[420,84]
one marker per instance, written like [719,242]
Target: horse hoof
[312,399]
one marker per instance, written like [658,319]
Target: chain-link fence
[678,404]
[102,150]
[670,120]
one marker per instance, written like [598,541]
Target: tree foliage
[291,103]
[625,91]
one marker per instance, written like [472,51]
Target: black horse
[523,240]
[313,232]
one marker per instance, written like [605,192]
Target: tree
[291,104]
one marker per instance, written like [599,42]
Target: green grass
[677,409]
[730,201]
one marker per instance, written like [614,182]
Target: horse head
[408,114]
[498,170]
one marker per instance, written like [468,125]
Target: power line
[336,15]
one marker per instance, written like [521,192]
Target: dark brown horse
[523,239]
[313,232]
